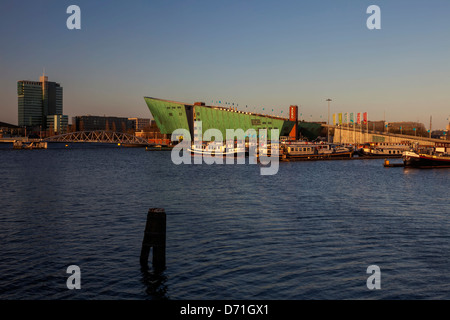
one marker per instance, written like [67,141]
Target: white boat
[217,149]
[384,149]
[303,149]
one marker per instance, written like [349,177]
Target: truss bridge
[99,136]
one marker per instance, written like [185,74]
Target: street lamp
[328,131]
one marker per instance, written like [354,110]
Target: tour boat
[384,149]
[217,149]
[303,149]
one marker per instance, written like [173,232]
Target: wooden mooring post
[155,237]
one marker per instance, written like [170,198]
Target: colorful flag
[334,119]
[351,118]
[358,118]
[346,118]
[340,118]
[365,117]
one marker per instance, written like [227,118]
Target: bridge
[99,136]
[350,135]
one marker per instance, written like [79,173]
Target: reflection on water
[155,284]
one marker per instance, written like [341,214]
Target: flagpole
[328,131]
[367,117]
[354,129]
[360,129]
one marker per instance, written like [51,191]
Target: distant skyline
[263,54]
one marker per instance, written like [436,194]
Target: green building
[171,115]
[39,100]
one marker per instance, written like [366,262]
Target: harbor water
[308,232]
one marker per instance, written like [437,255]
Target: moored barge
[437,157]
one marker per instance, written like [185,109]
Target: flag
[358,118]
[340,118]
[365,117]
[351,118]
[346,118]
[334,119]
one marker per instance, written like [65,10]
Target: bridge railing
[98,136]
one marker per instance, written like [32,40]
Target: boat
[437,157]
[391,150]
[217,149]
[29,145]
[309,150]
[159,148]
[266,150]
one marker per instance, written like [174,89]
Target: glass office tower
[38,100]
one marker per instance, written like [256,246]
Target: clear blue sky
[264,54]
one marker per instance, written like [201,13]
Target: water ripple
[309,232]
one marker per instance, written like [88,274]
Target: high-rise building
[30,109]
[39,100]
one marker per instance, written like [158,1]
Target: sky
[259,54]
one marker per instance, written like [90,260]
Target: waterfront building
[140,124]
[9,130]
[38,100]
[171,115]
[92,123]
[57,123]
